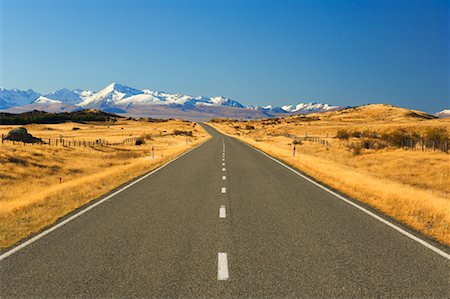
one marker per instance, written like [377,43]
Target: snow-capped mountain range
[120,95]
[308,107]
[119,98]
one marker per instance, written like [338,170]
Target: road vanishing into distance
[224,220]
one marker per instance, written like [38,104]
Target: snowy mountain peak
[46,101]
[226,102]
[443,113]
[120,88]
[109,95]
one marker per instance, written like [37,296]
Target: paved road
[281,236]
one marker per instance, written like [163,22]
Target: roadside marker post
[153,152]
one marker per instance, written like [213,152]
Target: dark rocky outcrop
[21,134]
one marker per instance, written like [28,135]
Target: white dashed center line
[222,262]
[222,266]
[222,212]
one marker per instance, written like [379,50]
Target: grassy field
[410,185]
[41,183]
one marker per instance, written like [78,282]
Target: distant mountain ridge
[119,98]
[16,97]
[118,95]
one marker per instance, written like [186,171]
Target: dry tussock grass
[31,195]
[411,186]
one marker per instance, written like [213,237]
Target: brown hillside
[375,112]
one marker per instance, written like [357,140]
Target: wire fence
[407,143]
[69,142]
[314,139]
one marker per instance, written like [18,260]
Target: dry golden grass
[411,186]
[31,195]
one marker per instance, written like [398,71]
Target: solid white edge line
[90,207]
[397,228]
[224,190]
[222,266]
[222,212]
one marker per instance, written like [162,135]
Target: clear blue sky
[259,52]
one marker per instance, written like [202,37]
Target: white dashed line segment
[222,212]
[222,266]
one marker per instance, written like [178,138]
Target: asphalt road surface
[224,221]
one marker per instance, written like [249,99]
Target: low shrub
[183,133]
[356,134]
[17,160]
[401,138]
[342,134]
[374,144]
[147,136]
[438,135]
[139,141]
